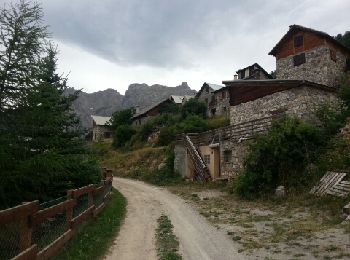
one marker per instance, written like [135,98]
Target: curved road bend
[199,240]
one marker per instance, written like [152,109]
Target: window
[298,40]
[223,94]
[333,55]
[299,59]
[227,156]
[206,101]
[207,159]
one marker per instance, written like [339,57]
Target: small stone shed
[101,129]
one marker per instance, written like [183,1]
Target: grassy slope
[130,163]
[95,236]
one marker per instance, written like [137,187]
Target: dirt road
[199,240]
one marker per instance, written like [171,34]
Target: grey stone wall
[301,102]
[180,159]
[221,105]
[234,166]
[318,68]
[98,132]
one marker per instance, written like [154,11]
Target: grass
[96,235]
[167,242]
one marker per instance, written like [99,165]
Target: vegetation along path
[198,238]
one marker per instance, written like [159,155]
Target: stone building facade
[307,54]
[254,71]
[211,94]
[300,101]
[320,67]
[101,129]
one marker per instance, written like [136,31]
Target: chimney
[235,77]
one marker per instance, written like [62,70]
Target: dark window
[107,134]
[206,101]
[227,156]
[299,59]
[298,40]
[213,111]
[333,55]
[223,94]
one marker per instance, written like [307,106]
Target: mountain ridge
[106,102]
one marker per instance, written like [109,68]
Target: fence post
[25,227]
[69,212]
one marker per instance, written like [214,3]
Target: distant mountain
[143,95]
[105,102]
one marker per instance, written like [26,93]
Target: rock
[280,191]
[161,165]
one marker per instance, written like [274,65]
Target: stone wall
[234,165]
[98,133]
[318,68]
[301,102]
[180,159]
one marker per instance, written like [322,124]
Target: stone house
[312,55]
[210,94]
[300,88]
[144,115]
[254,71]
[101,128]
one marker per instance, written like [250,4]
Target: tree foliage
[194,107]
[42,153]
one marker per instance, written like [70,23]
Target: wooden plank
[41,215]
[99,209]
[83,190]
[98,190]
[82,216]
[55,245]
[28,254]
[27,208]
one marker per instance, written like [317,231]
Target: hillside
[105,102]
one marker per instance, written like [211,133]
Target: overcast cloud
[113,43]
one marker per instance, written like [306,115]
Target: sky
[114,43]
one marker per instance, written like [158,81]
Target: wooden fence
[28,231]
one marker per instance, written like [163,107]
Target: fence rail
[31,231]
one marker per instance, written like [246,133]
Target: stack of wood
[332,183]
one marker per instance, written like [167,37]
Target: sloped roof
[212,87]
[179,99]
[297,28]
[101,120]
[215,86]
[256,65]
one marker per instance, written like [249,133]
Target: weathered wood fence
[36,231]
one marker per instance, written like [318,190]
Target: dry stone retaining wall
[301,102]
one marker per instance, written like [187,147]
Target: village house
[254,71]
[144,115]
[309,67]
[101,128]
[216,99]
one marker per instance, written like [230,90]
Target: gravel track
[199,240]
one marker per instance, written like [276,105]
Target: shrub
[280,157]
[122,135]
[192,124]
[194,107]
[166,136]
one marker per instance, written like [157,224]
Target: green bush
[122,135]
[192,124]
[166,136]
[194,107]
[280,157]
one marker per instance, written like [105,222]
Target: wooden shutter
[298,40]
[299,59]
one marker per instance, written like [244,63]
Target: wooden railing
[201,171]
[31,226]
